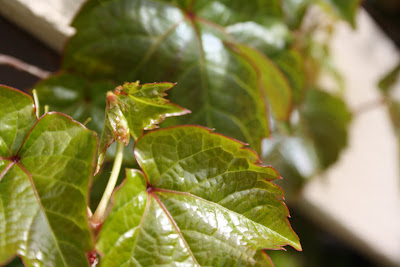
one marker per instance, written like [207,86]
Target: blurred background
[347,215]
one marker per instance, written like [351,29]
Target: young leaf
[45,168]
[201,201]
[133,108]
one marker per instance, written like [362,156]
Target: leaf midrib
[203,72]
[149,103]
[140,224]
[156,44]
[175,225]
[180,161]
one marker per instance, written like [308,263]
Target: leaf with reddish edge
[133,108]
[291,64]
[17,116]
[201,200]
[45,168]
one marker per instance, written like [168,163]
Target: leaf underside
[45,168]
[200,201]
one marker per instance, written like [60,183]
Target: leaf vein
[176,227]
[226,209]
[140,225]
[46,218]
[181,160]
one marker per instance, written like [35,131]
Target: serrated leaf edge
[22,167]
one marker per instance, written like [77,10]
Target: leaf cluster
[249,71]
[196,190]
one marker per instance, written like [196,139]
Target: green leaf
[270,38]
[17,116]
[388,90]
[201,200]
[272,82]
[345,9]
[133,108]
[291,64]
[326,119]
[45,168]
[191,44]
[17,262]
[75,96]
[394,112]
[294,11]
[295,159]
[228,12]
[389,80]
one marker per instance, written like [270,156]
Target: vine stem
[367,106]
[98,215]
[36,101]
[20,65]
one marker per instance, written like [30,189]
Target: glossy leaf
[271,38]
[191,44]
[133,108]
[201,201]
[17,116]
[326,119]
[45,168]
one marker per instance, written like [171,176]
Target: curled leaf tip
[111,98]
